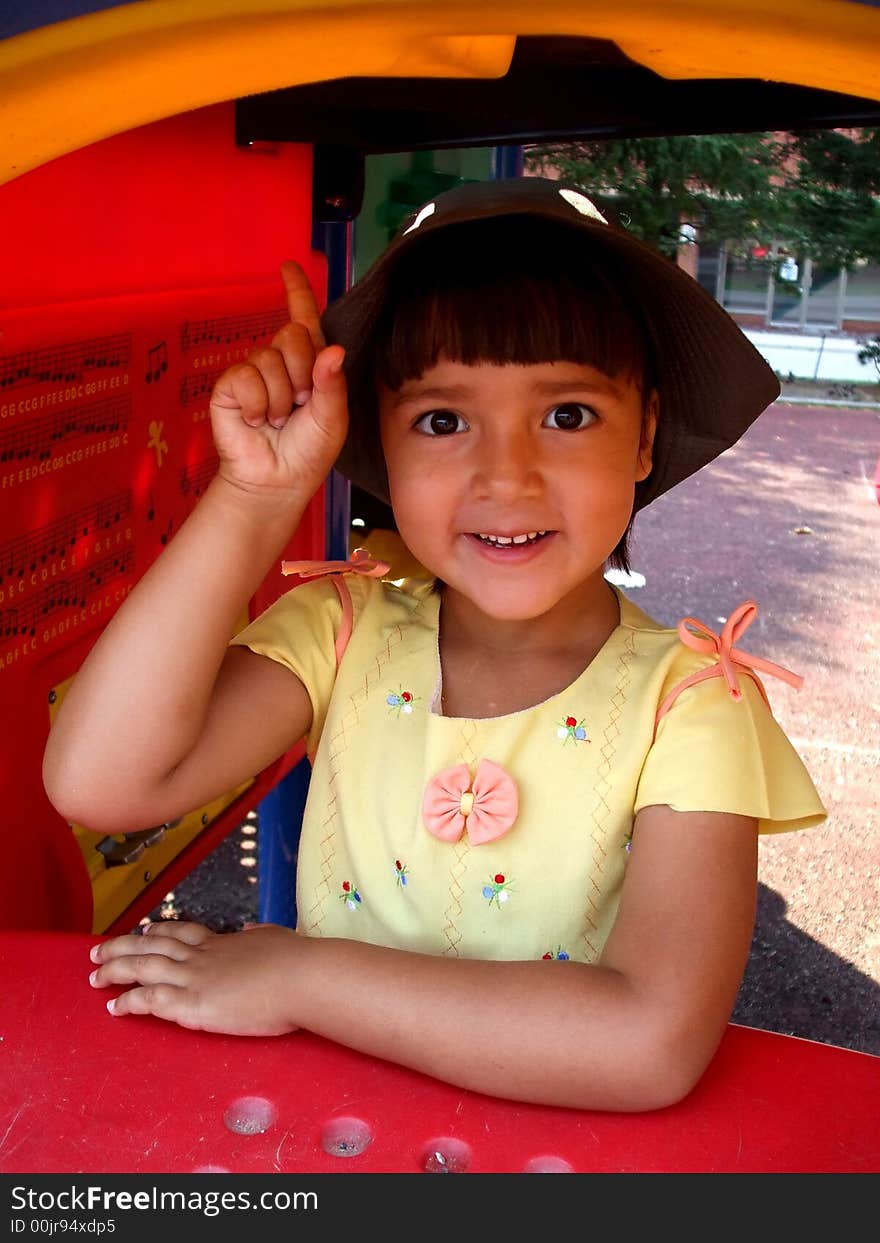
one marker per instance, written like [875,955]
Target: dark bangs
[510,290]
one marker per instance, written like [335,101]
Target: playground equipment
[142,1096]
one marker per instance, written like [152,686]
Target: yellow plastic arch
[78,81]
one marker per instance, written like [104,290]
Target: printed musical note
[26,553]
[39,438]
[229,328]
[65,363]
[196,478]
[157,362]
[112,510]
[151,514]
[194,386]
[72,592]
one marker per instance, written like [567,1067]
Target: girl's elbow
[63,778]
[670,1084]
[634,1090]
[56,784]
[660,1084]
[77,803]
[673,1048]
[681,1058]
[67,799]
[656,1070]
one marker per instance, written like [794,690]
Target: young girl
[528,860]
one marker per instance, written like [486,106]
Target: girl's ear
[649,430]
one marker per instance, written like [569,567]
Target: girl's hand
[239,983]
[280,419]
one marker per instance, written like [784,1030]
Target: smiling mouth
[510,541]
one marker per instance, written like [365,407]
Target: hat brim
[711,380]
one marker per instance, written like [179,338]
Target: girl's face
[514,483]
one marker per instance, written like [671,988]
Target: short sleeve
[714,753]
[299,631]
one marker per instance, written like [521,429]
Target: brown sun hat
[711,380]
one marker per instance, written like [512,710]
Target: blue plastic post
[508,162]
[281,811]
[279,823]
[338,249]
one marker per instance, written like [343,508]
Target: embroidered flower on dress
[401,701]
[497,890]
[571,730]
[350,895]
[401,872]
[558,954]
[628,844]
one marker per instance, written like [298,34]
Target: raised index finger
[301,301]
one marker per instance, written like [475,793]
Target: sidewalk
[827,357]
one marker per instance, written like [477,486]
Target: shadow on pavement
[796,986]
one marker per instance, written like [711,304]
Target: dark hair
[513,289]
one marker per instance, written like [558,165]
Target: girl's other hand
[280,419]
[239,983]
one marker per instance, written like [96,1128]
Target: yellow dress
[582,764]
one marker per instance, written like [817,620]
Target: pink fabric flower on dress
[486,807]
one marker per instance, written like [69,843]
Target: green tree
[819,191]
[721,184]
[830,195]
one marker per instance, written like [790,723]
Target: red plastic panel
[84,1092]
[135,272]
[174,205]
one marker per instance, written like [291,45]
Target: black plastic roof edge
[557,89]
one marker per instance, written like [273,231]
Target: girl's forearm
[551,1033]
[138,703]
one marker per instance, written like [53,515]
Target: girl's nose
[507,464]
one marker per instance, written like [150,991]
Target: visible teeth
[509,539]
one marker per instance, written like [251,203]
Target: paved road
[789,518]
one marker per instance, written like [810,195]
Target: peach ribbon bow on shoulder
[486,808]
[361,563]
[731,659]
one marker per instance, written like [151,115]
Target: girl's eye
[569,416]
[440,423]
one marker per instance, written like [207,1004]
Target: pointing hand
[279,420]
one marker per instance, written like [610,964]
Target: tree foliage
[831,195]
[818,191]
